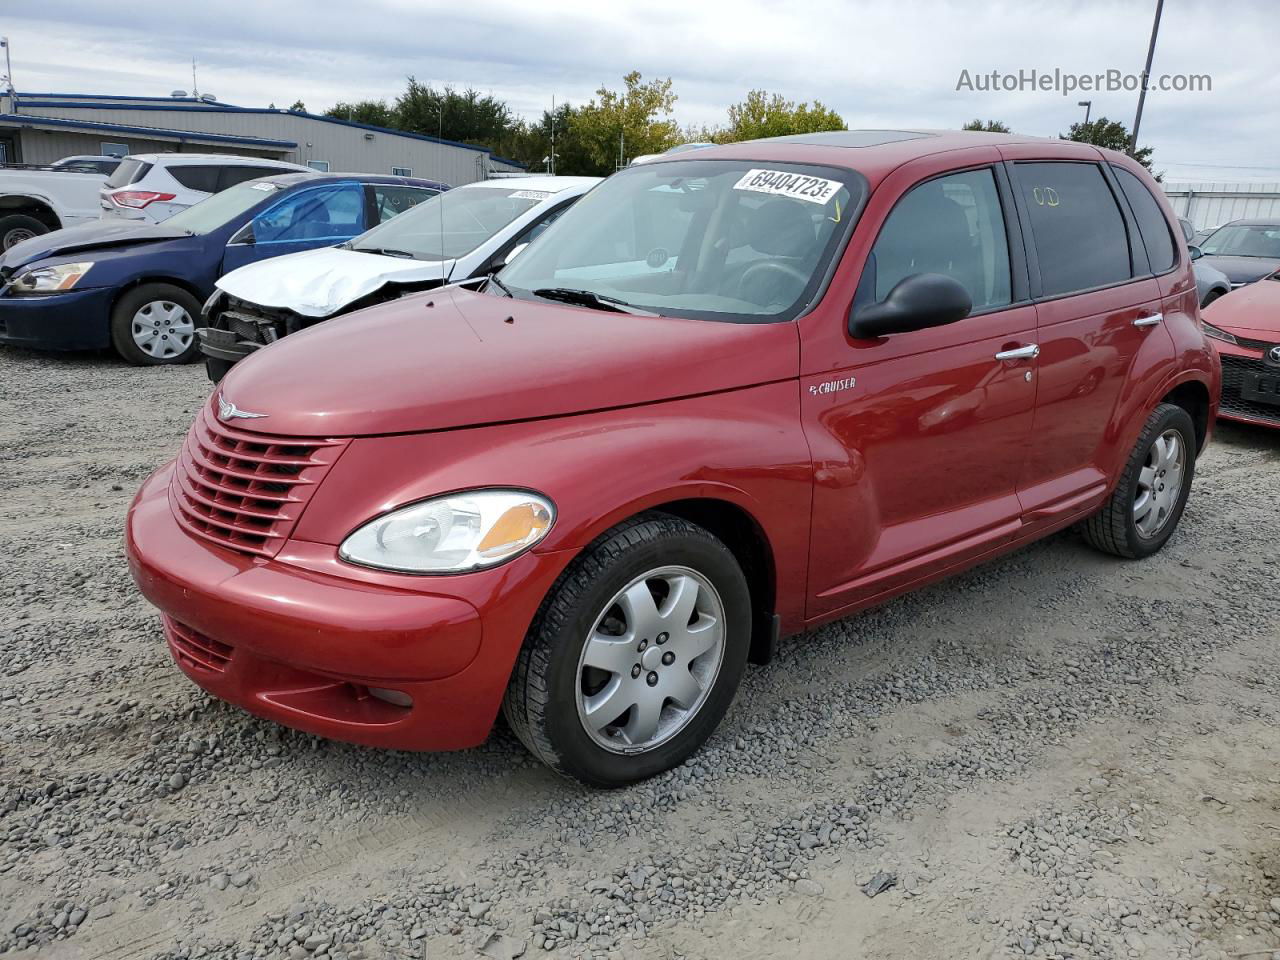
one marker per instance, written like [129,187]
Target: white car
[461,234]
[155,186]
[35,200]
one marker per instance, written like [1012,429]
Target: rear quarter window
[1079,234]
[129,171]
[203,178]
[1151,222]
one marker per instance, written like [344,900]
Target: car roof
[546,184]
[223,158]
[291,178]
[874,153]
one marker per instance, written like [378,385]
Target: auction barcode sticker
[530,195]
[798,186]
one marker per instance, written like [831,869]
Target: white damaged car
[461,234]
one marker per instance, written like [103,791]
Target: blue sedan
[138,287]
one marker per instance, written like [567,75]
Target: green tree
[617,126]
[375,112]
[1111,134]
[469,116]
[987,126]
[770,115]
[298,107]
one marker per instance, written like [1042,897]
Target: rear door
[303,220]
[1098,310]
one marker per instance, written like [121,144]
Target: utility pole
[8,76]
[553,134]
[1146,74]
[195,87]
[1087,104]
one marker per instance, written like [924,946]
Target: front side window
[951,225]
[707,239]
[1078,230]
[1244,240]
[320,213]
[390,200]
[1154,228]
[451,224]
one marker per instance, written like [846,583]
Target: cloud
[892,63]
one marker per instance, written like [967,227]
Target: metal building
[1209,205]
[43,127]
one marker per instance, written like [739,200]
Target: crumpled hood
[317,283]
[453,358]
[87,236]
[1253,311]
[1242,269]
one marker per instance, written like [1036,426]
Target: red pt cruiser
[725,398]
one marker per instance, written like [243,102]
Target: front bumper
[296,641]
[75,320]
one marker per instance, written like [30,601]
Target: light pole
[1087,104]
[1146,73]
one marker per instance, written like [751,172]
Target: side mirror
[514,252]
[917,302]
[1196,252]
[1188,231]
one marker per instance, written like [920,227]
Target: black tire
[1211,296]
[541,699]
[122,323]
[17,227]
[1113,529]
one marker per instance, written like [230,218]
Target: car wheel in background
[1147,503]
[155,324]
[635,654]
[17,227]
[1211,296]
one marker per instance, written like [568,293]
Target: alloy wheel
[162,329]
[1159,483]
[650,660]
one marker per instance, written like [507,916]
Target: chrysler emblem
[1275,354]
[229,411]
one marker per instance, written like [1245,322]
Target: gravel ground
[1057,755]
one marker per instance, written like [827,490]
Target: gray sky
[892,63]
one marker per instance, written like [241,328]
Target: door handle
[1022,353]
[1150,321]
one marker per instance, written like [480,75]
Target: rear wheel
[1147,503]
[1211,296]
[155,324]
[17,227]
[635,655]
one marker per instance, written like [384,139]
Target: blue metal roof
[183,136]
[185,105]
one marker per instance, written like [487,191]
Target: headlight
[452,534]
[50,279]
[1218,333]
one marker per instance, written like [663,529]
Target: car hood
[1242,269]
[87,236]
[317,283]
[1253,311]
[453,358]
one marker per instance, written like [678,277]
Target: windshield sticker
[794,185]
[265,187]
[530,195]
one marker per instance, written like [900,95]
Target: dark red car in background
[1245,328]
[727,397]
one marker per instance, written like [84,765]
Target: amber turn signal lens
[519,525]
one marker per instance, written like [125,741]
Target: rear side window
[1151,222]
[203,178]
[952,225]
[129,171]
[390,200]
[1079,233]
[229,176]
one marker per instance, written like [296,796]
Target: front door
[919,438]
[314,217]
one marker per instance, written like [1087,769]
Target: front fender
[743,447]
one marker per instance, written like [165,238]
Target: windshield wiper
[586,298]
[492,278]
[386,252]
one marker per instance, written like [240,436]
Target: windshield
[221,208]
[708,239]
[451,224]
[1241,240]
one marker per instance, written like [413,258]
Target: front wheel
[1147,503]
[635,655]
[155,324]
[17,227]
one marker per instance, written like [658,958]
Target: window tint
[318,214]
[1151,222]
[389,200]
[196,177]
[129,171]
[229,175]
[953,225]
[1079,233]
